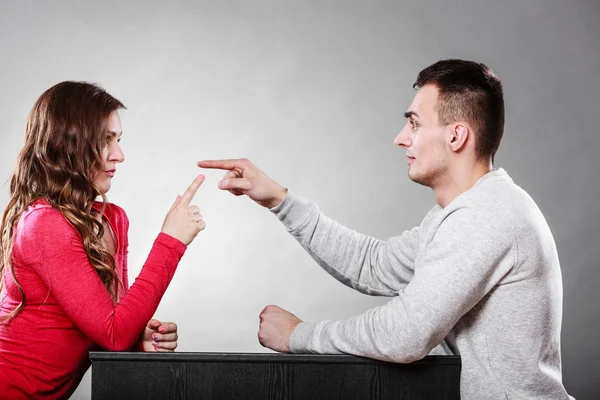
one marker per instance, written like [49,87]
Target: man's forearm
[364,263]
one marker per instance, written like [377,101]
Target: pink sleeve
[53,248]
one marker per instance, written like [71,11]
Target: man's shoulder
[503,205]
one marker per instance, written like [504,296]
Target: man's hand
[243,177]
[276,327]
[160,336]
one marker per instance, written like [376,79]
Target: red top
[68,310]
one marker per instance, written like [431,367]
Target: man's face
[423,139]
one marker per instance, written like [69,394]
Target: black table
[217,376]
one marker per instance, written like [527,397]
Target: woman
[63,257]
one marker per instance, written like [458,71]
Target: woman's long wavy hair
[64,140]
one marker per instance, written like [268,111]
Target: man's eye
[119,140]
[414,125]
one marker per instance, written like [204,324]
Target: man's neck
[458,180]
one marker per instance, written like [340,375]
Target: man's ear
[458,136]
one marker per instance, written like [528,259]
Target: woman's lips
[110,172]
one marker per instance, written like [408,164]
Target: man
[480,275]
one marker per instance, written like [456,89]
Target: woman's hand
[160,336]
[184,222]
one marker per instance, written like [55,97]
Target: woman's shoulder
[41,227]
[41,219]
[40,212]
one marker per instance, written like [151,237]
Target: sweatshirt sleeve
[53,248]
[369,265]
[468,255]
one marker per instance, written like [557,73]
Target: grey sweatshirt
[480,278]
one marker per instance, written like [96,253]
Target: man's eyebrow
[409,114]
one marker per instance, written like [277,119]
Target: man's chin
[412,175]
[416,178]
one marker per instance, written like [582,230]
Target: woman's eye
[414,125]
[119,140]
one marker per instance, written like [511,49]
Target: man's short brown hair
[470,92]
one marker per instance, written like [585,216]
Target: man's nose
[403,138]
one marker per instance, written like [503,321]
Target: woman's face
[111,154]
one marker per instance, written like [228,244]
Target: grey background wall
[313,92]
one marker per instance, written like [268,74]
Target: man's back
[510,340]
